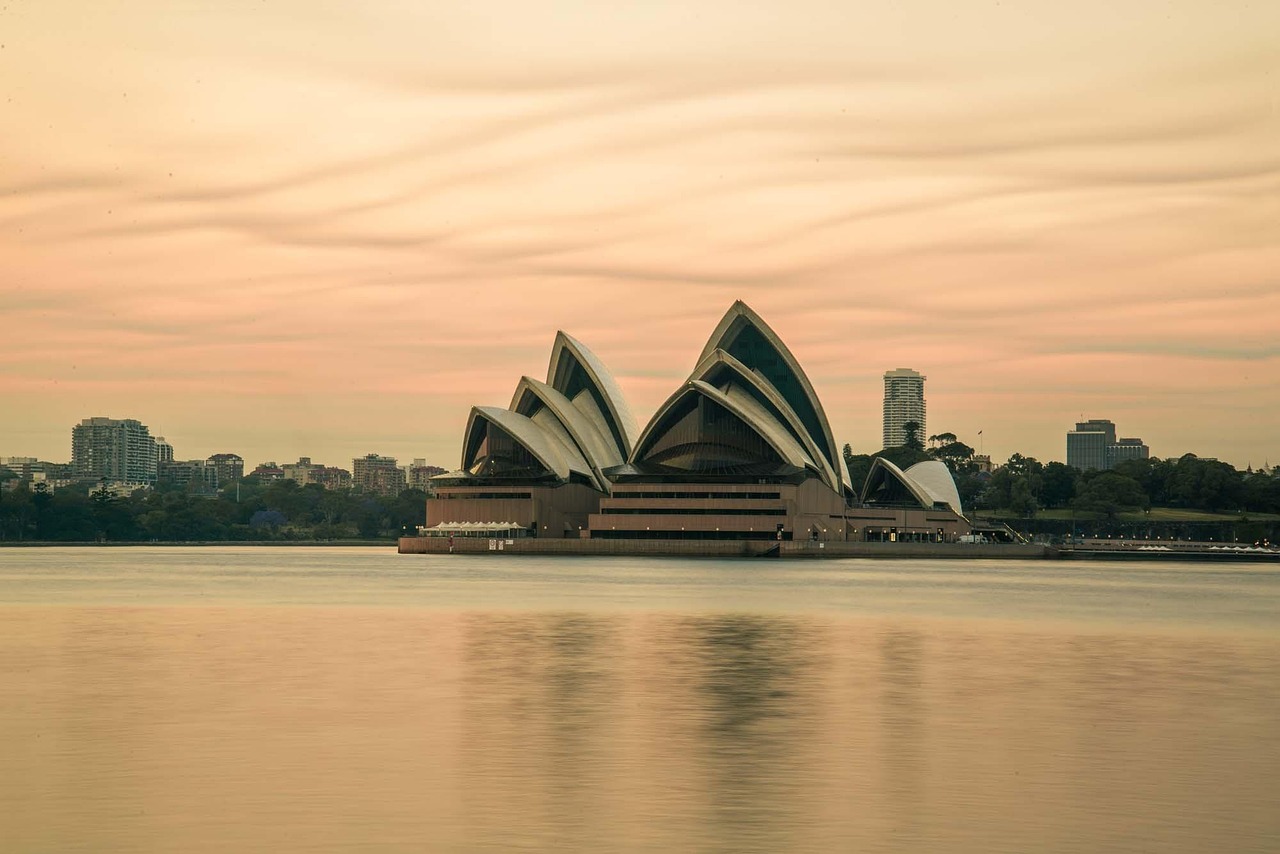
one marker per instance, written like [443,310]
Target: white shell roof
[936,478]
[930,482]
[746,407]
[599,451]
[744,374]
[891,470]
[717,341]
[619,411]
[741,404]
[550,451]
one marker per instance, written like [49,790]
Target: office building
[1127,449]
[117,450]
[1093,446]
[903,402]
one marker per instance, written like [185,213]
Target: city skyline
[278,240]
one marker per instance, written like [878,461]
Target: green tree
[859,466]
[957,455]
[939,440]
[911,434]
[370,518]
[17,513]
[1022,497]
[1108,493]
[1018,465]
[1058,484]
[904,456]
[408,510]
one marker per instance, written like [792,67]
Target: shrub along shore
[275,513]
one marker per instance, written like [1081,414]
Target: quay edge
[721,548]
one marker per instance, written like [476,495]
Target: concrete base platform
[720,548]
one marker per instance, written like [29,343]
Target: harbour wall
[720,548]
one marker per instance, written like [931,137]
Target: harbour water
[335,699]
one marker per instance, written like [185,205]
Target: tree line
[1023,486]
[283,510]
[253,511]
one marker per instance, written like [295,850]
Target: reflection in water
[253,726]
[901,652]
[539,693]
[756,696]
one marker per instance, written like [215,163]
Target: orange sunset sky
[315,228]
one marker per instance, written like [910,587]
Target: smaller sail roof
[600,451]
[558,459]
[935,478]
[888,484]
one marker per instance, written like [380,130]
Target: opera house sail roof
[744,335]
[741,450]
[748,410]
[576,373]
[927,484]
[568,429]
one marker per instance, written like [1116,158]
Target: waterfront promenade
[1115,550]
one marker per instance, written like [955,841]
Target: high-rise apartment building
[164,451]
[379,475]
[1093,445]
[120,450]
[903,402]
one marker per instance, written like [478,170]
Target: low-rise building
[304,471]
[196,476]
[331,477]
[230,467]
[267,472]
[418,475]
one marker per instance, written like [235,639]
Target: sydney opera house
[741,451]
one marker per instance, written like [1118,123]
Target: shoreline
[46,544]
[806,550]
[788,550]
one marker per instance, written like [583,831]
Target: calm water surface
[256,699]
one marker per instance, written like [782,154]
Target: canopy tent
[475,529]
